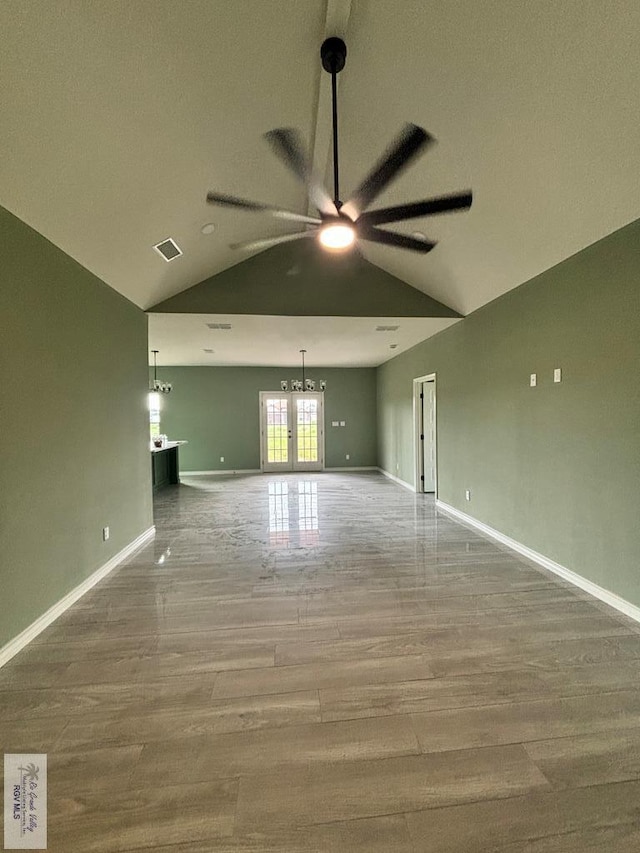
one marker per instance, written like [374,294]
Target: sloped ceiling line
[301,279]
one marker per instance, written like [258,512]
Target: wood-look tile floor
[325,663]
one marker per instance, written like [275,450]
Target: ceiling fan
[338,224]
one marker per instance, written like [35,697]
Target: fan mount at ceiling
[339,225]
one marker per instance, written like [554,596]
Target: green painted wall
[556,467]
[301,279]
[216,410]
[73,424]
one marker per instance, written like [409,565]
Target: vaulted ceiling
[118,116]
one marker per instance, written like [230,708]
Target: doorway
[424,408]
[291,431]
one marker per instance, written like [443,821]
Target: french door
[291,431]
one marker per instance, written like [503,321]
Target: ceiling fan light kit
[338,225]
[337,236]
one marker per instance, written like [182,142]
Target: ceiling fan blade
[287,145]
[391,238]
[428,207]
[273,241]
[278,212]
[411,142]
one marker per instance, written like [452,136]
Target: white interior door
[429,436]
[292,431]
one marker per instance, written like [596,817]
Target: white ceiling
[257,340]
[117,117]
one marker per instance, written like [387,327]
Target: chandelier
[303,384]
[158,387]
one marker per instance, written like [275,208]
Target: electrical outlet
[533,380]
[105,534]
[557,374]
[343,423]
[347,457]
[467,495]
[222,458]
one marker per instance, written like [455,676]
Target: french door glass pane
[277,431]
[307,423]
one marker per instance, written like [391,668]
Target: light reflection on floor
[294,510]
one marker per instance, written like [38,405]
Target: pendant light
[157,387]
[298,385]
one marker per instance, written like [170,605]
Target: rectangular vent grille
[208,350]
[220,327]
[387,328]
[169,249]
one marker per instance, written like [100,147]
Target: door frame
[293,435]
[418,456]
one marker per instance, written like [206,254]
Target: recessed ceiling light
[387,328]
[393,346]
[208,228]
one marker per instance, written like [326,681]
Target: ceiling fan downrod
[334,54]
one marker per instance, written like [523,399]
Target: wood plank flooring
[325,663]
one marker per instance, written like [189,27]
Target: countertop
[167,446]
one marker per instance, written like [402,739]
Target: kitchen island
[165,470]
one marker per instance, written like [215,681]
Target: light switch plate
[533,380]
[557,374]
[335,423]
[343,423]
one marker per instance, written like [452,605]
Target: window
[154,414]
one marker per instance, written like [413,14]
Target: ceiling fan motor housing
[334,54]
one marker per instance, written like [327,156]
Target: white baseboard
[610,598]
[219,472]
[397,480]
[352,468]
[25,637]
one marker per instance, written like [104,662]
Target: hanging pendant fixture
[303,384]
[158,387]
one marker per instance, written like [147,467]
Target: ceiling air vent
[208,350]
[387,328]
[219,326]
[169,249]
